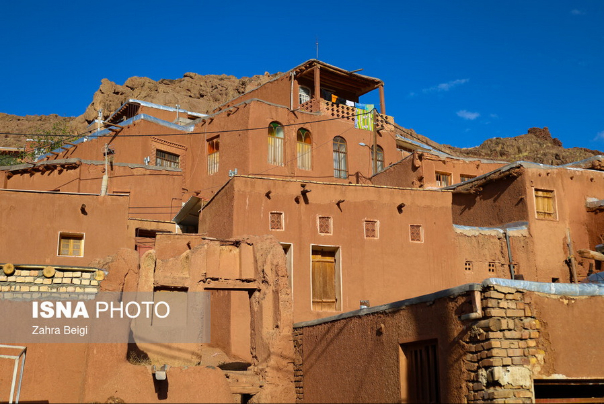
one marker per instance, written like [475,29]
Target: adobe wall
[388,268]
[276,92]
[570,335]
[132,144]
[456,168]
[323,129]
[235,150]
[358,359]
[407,173]
[491,350]
[140,183]
[103,222]
[483,254]
[571,188]
[497,203]
[96,372]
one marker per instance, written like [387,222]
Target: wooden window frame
[379,155]
[276,144]
[439,182]
[466,177]
[163,161]
[213,147]
[70,237]
[542,214]
[340,157]
[304,149]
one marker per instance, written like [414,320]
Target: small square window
[276,220]
[468,266]
[492,266]
[371,229]
[71,244]
[325,225]
[443,179]
[416,233]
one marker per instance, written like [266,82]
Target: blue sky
[458,72]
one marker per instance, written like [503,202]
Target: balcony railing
[341,111]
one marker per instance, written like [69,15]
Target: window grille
[416,233]
[276,221]
[371,229]
[324,225]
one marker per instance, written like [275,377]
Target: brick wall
[298,372]
[502,347]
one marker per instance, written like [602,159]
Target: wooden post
[382,100]
[571,257]
[374,143]
[317,97]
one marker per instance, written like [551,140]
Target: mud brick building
[299,203]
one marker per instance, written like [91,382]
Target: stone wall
[502,348]
[39,281]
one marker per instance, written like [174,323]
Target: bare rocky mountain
[197,93]
[537,146]
[193,92]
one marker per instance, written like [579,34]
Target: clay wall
[140,183]
[407,173]
[323,129]
[361,358]
[230,128]
[387,268]
[419,170]
[276,92]
[493,344]
[571,188]
[132,144]
[102,224]
[499,202]
[570,338]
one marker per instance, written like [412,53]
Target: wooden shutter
[324,281]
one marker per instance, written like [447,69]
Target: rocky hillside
[198,93]
[537,145]
[192,92]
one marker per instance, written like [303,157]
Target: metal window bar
[275,150]
[415,231]
[325,225]
[213,160]
[370,229]
[16,358]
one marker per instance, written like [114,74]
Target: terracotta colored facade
[519,344]
[278,204]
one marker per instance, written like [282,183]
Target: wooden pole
[571,257]
[374,143]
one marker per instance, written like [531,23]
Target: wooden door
[324,281]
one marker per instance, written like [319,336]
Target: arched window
[213,155]
[379,156]
[304,149]
[340,169]
[275,143]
